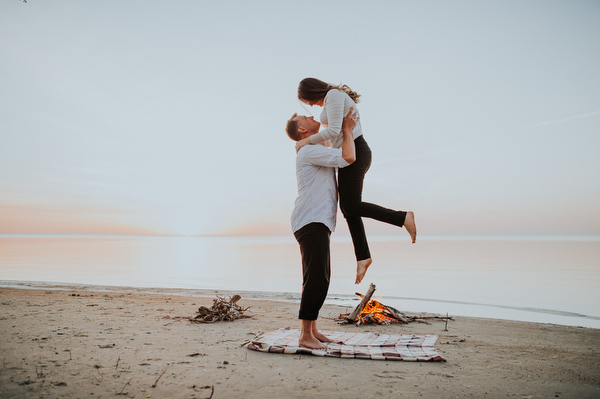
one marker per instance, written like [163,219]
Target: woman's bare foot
[361,269]
[410,226]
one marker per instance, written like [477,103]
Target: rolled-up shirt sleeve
[324,156]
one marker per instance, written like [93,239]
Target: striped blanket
[405,347]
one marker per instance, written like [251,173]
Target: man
[313,218]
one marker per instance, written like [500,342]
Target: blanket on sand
[405,347]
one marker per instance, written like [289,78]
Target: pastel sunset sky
[161,117]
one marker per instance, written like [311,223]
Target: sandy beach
[126,343]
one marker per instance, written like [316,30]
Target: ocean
[544,279]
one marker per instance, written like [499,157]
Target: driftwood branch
[430,318]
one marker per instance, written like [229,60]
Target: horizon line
[337,237]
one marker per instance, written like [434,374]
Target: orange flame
[375,312]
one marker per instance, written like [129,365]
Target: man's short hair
[291,128]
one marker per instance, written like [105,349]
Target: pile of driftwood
[223,309]
[369,311]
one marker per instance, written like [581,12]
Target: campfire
[369,311]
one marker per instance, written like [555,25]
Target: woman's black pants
[316,268]
[350,185]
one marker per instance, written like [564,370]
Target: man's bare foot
[410,226]
[361,269]
[318,335]
[309,341]
[323,338]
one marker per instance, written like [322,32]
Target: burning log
[395,313]
[365,299]
[223,309]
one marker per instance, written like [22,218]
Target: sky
[161,117]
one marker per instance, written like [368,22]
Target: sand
[126,343]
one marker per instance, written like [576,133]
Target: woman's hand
[302,143]
[350,120]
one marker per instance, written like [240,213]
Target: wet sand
[82,343]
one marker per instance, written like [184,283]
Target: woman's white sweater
[335,106]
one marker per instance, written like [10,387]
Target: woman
[337,102]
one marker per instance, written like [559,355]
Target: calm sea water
[541,279]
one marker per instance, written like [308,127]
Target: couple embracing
[339,146]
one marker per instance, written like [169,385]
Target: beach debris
[223,309]
[125,386]
[211,387]
[196,354]
[446,326]
[156,382]
[370,311]
[212,391]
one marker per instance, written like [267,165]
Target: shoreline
[82,342]
[340,300]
